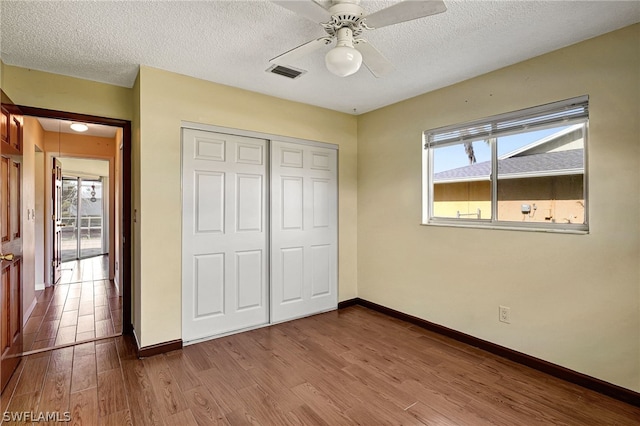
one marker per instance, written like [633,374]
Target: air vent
[285,71]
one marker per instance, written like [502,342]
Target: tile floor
[84,305]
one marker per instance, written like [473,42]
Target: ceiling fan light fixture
[343,61]
[79,127]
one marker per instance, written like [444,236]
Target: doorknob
[8,256]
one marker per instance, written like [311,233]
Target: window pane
[69,209]
[91,218]
[541,176]
[461,186]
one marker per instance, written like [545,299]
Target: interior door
[11,240]
[304,230]
[224,234]
[57,225]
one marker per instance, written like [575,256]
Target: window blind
[528,119]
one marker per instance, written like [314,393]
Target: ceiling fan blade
[307,8]
[373,59]
[298,52]
[403,11]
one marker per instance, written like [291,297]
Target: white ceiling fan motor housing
[345,13]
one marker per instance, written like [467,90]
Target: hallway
[83,306]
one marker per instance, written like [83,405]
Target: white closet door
[304,230]
[224,235]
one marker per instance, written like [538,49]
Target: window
[521,170]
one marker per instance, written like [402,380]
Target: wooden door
[56,219]
[11,239]
[224,234]
[304,230]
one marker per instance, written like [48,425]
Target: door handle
[8,256]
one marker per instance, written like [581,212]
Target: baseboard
[555,370]
[158,349]
[28,312]
[347,303]
[40,286]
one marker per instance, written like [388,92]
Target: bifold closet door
[304,230]
[224,235]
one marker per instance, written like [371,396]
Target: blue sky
[453,156]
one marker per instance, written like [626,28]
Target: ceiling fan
[345,21]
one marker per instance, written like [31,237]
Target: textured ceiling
[231,42]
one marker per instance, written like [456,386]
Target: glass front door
[90,218]
[82,218]
[69,209]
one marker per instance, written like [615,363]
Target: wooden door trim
[127,326]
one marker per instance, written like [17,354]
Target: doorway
[84,209]
[90,296]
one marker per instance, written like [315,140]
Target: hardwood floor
[83,305]
[347,367]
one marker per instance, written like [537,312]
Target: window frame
[453,135]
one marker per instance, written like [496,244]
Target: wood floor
[83,305]
[347,367]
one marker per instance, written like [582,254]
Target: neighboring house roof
[549,156]
[548,143]
[547,164]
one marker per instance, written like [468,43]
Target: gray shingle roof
[548,163]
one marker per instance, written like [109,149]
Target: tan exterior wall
[557,199]
[464,197]
[574,299]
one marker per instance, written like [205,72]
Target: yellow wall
[165,100]
[51,91]
[574,299]
[136,303]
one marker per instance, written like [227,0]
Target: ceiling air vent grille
[285,71]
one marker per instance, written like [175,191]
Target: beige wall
[165,100]
[574,299]
[33,136]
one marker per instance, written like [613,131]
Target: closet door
[224,235]
[304,230]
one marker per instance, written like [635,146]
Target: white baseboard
[40,286]
[27,314]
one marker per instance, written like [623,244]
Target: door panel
[11,235]
[304,230]
[4,198]
[224,243]
[70,220]
[56,219]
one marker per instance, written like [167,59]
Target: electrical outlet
[504,314]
